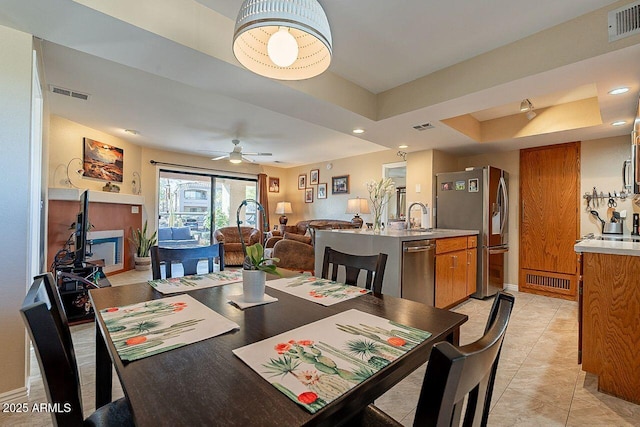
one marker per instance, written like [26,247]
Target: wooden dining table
[204,383]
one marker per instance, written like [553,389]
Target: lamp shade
[358,206]
[283,208]
[265,32]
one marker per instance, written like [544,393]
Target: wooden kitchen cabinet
[455,270]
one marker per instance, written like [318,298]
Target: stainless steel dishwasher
[418,271]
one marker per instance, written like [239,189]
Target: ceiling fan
[237,156]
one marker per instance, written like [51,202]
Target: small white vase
[142,262]
[253,285]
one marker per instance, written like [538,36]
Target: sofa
[175,237]
[294,246]
[233,254]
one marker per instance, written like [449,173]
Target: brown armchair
[294,251]
[233,254]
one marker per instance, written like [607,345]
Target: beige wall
[360,170]
[602,167]
[15,127]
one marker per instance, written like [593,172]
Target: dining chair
[188,257]
[46,322]
[454,373]
[374,265]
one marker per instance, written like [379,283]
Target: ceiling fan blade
[246,159]
[221,157]
[257,154]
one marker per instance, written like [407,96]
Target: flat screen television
[82,228]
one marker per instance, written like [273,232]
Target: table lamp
[283,208]
[357,206]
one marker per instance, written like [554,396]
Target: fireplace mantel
[73,194]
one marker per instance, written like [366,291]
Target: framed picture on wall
[314,176]
[102,161]
[308,195]
[274,185]
[302,181]
[340,184]
[322,190]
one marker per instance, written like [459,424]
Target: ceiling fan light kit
[237,155]
[283,39]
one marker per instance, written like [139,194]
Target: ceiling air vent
[68,92]
[423,126]
[624,22]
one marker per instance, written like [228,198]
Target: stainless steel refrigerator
[478,199]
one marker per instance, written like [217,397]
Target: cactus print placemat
[321,291]
[316,363]
[197,281]
[152,327]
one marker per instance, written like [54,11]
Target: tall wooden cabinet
[549,226]
[456,260]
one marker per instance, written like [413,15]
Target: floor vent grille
[548,282]
[624,22]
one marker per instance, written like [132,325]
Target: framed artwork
[314,176]
[302,181]
[274,185]
[473,185]
[102,161]
[340,184]
[322,190]
[308,195]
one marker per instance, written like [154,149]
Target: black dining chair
[46,322]
[454,373]
[374,265]
[188,257]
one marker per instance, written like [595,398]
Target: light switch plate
[417,188]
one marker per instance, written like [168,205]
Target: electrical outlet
[135,209]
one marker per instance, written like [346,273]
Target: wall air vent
[68,92]
[423,126]
[624,22]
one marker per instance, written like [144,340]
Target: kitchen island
[609,310]
[392,242]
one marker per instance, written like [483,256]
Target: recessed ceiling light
[619,123]
[132,131]
[403,146]
[618,91]
[358,131]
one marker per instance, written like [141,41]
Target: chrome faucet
[425,211]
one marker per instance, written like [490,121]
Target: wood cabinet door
[472,265]
[451,278]
[549,203]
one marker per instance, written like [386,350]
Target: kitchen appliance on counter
[477,199]
[418,271]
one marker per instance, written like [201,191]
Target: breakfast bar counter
[609,309]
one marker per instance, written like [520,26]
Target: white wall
[15,124]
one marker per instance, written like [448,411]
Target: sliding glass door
[192,205]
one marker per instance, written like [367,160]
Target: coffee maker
[636,224]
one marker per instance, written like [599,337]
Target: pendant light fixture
[283,39]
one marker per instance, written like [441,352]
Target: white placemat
[152,327]
[321,291]
[197,281]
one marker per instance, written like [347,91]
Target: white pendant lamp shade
[283,39]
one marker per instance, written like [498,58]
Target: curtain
[263,199]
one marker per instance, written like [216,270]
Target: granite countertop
[613,247]
[433,233]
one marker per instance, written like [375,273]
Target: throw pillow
[298,238]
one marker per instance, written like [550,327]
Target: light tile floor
[538,383]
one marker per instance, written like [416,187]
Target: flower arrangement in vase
[379,193]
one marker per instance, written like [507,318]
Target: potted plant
[254,272]
[142,244]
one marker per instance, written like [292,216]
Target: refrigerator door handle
[498,251]
[505,205]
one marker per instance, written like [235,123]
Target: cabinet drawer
[451,244]
[472,242]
